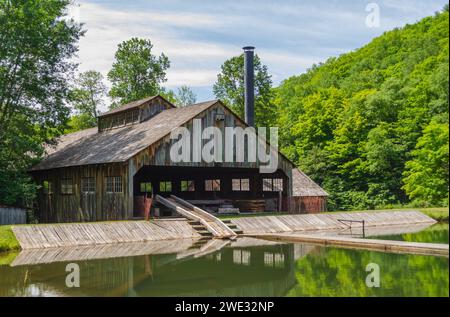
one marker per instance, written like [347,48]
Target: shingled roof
[119,144]
[133,104]
[303,186]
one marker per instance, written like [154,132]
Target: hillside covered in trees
[371,126]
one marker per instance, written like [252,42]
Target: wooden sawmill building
[105,173]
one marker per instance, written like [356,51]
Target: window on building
[277,184]
[241,184]
[146,187]
[113,184]
[47,187]
[212,185]
[165,186]
[88,185]
[187,186]
[272,184]
[66,186]
[267,184]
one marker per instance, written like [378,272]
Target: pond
[247,267]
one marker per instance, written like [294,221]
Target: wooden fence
[12,215]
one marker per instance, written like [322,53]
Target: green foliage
[78,122]
[185,96]
[8,241]
[37,41]
[136,72]
[339,272]
[86,97]
[229,87]
[357,124]
[426,175]
[182,98]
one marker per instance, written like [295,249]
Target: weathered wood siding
[12,215]
[306,205]
[79,207]
[158,154]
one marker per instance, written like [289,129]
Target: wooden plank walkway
[365,244]
[77,234]
[213,224]
[327,221]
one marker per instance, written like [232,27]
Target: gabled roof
[133,104]
[303,186]
[117,145]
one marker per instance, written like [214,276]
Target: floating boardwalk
[365,244]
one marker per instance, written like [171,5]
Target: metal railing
[344,222]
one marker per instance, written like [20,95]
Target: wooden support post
[280,200]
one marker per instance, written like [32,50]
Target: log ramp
[214,225]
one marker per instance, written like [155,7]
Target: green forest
[370,126]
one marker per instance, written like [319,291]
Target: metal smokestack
[249,79]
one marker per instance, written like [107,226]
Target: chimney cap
[248,48]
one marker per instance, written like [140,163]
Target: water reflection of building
[265,270]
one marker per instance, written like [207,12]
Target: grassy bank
[8,241]
[439,214]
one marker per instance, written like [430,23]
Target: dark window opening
[272,184]
[240,184]
[187,186]
[146,187]
[165,186]
[212,185]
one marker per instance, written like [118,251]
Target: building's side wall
[306,205]
[79,206]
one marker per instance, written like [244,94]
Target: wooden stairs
[233,227]
[206,224]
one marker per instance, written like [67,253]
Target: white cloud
[199,36]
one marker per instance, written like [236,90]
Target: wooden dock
[390,246]
[116,232]
[96,233]
[328,221]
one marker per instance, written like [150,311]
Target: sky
[199,35]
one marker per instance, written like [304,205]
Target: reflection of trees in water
[437,233]
[267,270]
[340,272]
